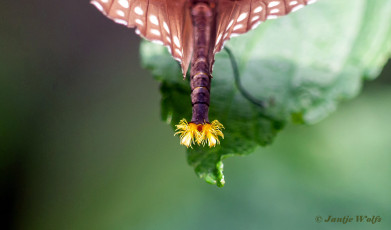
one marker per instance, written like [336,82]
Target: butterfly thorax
[202,15]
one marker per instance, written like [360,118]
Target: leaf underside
[302,64]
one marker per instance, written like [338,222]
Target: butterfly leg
[262,104]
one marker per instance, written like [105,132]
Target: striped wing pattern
[161,21]
[168,22]
[239,16]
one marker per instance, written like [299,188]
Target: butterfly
[194,31]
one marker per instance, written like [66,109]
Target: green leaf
[305,63]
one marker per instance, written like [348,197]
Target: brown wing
[166,22]
[236,17]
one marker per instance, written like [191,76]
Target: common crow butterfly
[194,31]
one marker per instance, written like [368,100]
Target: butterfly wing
[161,21]
[236,17]
[168,22]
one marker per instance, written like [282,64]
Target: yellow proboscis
[201,134]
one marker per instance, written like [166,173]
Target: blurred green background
[83,147]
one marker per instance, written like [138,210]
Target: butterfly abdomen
[200,76]
[200,130]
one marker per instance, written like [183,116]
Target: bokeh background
[83,147]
